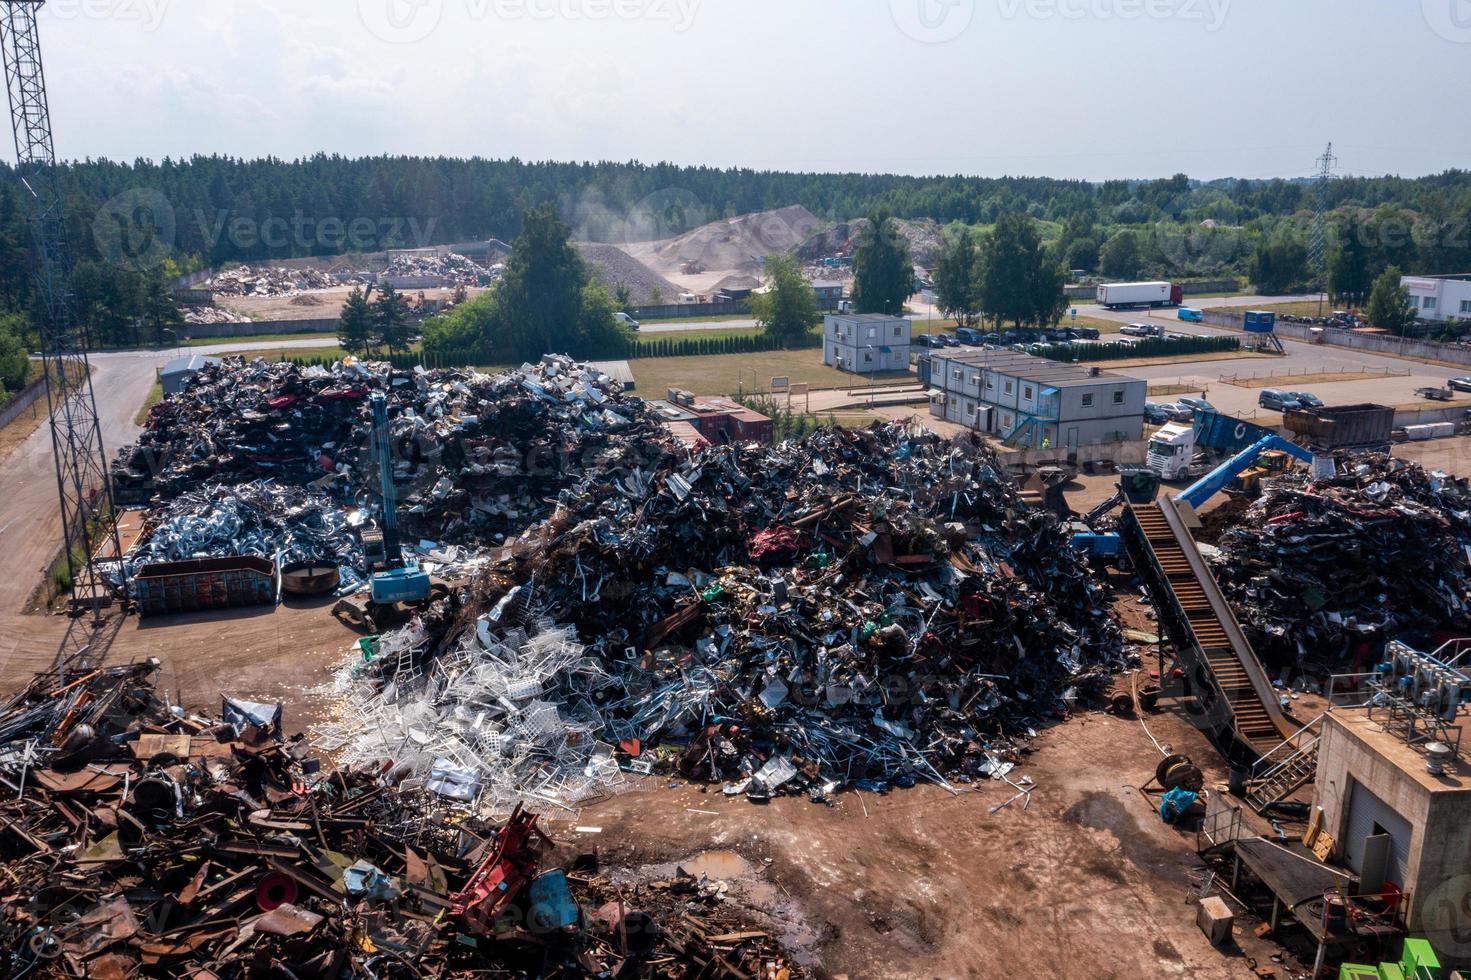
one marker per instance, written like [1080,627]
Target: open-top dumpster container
[204,583]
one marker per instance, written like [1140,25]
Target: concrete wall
[1369,343]
[670,311]
[1438,874]
[22,401]
[254,327]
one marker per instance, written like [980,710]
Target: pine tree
[391,320]
[355,326]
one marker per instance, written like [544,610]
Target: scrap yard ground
[1084,881]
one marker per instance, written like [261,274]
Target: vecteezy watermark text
[1210,13]
[149,13]
[411,21]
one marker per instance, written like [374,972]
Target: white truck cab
[1172,451]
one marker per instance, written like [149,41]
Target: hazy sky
[1065,88]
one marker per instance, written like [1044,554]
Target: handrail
[1245,655]
[1290,740]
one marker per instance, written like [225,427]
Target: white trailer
[1120,294]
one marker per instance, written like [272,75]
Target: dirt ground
[1086,881]
[314,304]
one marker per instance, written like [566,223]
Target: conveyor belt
[1200,623]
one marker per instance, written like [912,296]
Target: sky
[1091,89]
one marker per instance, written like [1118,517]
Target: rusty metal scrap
[138,839]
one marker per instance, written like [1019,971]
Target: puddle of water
[720,865]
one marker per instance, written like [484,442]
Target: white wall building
[1032,403]
[866,342]
[1439,298]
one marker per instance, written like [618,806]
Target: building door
[1369,816]
[1072,437]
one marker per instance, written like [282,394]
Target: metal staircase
[1202,627]
[1292,764]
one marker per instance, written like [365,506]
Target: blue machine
[1217,479]
[401,579]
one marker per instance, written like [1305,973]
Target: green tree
[541,294]
[391,321]
[1277,266]
[1083,254]
[1350,277]
[623,298]
[955,279]
[788,308]
[355,326]
[1389,302]
[1020,281]
[15,368]
[883,273]
[1121,256]
[161,317]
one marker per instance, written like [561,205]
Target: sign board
[800,388]
[781,384]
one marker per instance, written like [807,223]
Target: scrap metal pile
[251,281]
[281,523]
[455,268]
[1315,568]
[141,840]
[477,456]
[856,609]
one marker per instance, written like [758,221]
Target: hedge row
[1146,347]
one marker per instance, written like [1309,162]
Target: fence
[23,400]
[252,328]
[1369,343]
[674,311]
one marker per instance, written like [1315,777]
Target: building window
[970,410]
[1118,398]
[1027,391]
[956,374]
[1087,401]
[990,383]
[896,333]
[1008,389]
[1466,306]
[868,357]
[1430,304]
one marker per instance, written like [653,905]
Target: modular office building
[1032,403]
[866,342]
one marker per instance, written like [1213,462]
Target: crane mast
[82,482]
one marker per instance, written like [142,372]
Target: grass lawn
[155,395]
[676,335]
[1274,380]
[1222,355]
[723,374]
[1298,308]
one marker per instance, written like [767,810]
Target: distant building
[697,419]
[1440,298]
[734,294]
[829,294]
[1032,403]
[175,374]
[865,343]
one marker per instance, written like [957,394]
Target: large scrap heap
[859,608]
[1321,572]
[477,456]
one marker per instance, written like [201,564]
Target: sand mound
[733,245]
[610,265]
[923,236]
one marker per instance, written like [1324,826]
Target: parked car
[967,335]
[1158,414]
[1180,412]
[626,320]
[928,341]
[1086,333]
[1197,404]
[1309,400]
[1460,384]
[1278,401]
[947,340]
[1139,330]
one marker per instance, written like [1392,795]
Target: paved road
[31,526]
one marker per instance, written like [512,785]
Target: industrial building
[866,342]
[829,294]
[701,420]
[1029,402]
[1396,795]
[1440,298]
